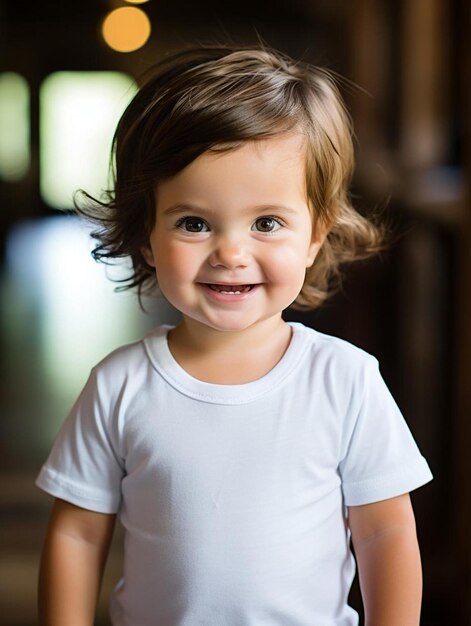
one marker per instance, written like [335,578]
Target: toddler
[249,459]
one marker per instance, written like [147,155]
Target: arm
[387,553]
[72,564]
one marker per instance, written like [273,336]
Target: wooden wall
[414,58]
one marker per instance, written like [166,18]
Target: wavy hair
[214,98]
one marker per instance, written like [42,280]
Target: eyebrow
[175,209]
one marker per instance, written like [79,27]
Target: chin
[226,326]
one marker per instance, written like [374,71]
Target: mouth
[230,289]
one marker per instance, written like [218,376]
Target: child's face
[237,218]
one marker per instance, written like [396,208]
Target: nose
[229,252]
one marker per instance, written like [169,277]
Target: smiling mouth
[231,289]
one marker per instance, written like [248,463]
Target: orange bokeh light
[126,29]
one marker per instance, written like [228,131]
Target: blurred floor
[59,316]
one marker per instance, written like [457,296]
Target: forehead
[286,148]
[257,171]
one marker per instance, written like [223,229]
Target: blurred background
[67,71]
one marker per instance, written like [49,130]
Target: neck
[206,341]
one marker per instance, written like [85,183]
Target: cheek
[287,262]
[175,261]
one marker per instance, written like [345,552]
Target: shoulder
[332,351]
[121,360]
[127,364]
[335,367]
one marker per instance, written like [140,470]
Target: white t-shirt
[233,497]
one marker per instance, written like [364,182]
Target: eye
[192,224]
[268,224]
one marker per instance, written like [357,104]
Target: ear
[148,255]
[319,234]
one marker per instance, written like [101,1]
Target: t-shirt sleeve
[84,466]
[379,456]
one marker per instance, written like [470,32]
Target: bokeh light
[126,29]
[79,318]
[14,126]
[78,115]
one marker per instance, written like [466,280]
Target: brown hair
[213,98]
